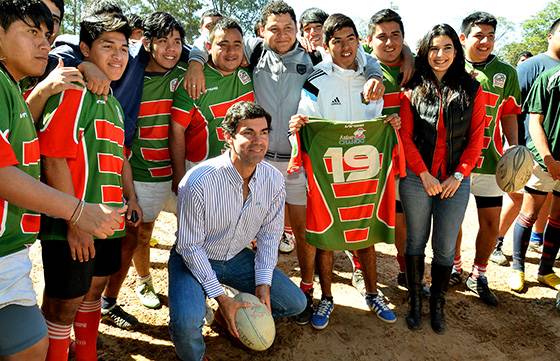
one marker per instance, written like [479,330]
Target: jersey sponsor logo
[358,137]
[336,101]
[105,130]
[22,115]
[155,108]
[244,77]
[109,163]
[100,101]
[154,132]
[3,215]
[31,152]
[499,80]
[111,194]
[155,155]
[30,223]
[156,172]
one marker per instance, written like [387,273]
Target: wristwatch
[459,176]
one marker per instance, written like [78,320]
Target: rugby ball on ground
[255,324]
[514,168]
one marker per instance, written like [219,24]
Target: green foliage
[247,12]
[182,10]
[535,31]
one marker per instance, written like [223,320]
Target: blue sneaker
[320,318]
[376,303]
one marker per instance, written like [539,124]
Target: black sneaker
[480,287]
[401,280]
[305,316]
[118,317]
[456,278]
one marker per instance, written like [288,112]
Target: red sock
[305,287]
[59,341]
[402,263]
[86,325]
[478,270]
[288,229]
[458,264]
[356,261]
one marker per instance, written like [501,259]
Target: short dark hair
[257,28]
[336,22]
[312,15]
[384,16]
[104,7]
[277,8]
[210,13]
[60,5]
[32,12]
[160,24]
[224,24]
[554,26]
[478,18]
[93,26]
[242,111]
[135,21]
[526,54]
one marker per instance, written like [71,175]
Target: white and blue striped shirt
[215,223]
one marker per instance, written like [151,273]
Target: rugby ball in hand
[514,168]
[255,324]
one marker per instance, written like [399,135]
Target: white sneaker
[287,243]
[147,295]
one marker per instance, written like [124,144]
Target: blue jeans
[420,209]
[187,300]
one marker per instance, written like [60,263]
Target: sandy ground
[523,327]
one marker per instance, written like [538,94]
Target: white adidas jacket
[334,93]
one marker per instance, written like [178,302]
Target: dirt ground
[524,326]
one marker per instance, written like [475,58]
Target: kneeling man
[223,204]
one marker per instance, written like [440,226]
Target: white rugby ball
[514,168]
[255,324]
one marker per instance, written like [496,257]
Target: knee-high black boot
[414,276]
[440,282]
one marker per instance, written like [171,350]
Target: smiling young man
[501,87]
[385,40]
[81,139]
[25,26]
[195,133]
[150,161]
[333,91]
[211,248]
[311,27]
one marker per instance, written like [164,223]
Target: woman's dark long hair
[424,84]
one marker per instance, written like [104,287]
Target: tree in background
[188,12]
[247,12]
[535,32]
[183,10]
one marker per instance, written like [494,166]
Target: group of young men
[127,120]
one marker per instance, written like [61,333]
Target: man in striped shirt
[224,203]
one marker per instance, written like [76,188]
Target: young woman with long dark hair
[442,132]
